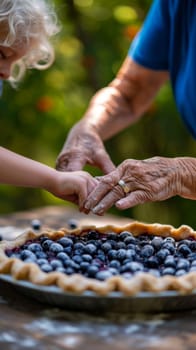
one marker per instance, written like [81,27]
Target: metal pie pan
[144,302]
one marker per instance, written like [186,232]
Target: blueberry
[63,256]
[106,247]
[152,262]
[162,254]
[41,255]
[101,257]
[77,259]
[113,271]
[192,246]
[36,224]
[78,246]
[170,261]
[27,254]
[169,240]
[46,268]
[90,249]
[56,248]
[121,254]
[65,241]
[69,271]
[183,264]
[124,235]
[92,270]
[60,269]
[169,246]
[168,271]
[157,242]
[72,224]
[144,239]
[92,235]
[184,250]
[35,247]
[191,257]
[115,264]
[103,275]
[135,266]
[56,263]
[130,254]
[84,266]
[125,268]
[180,272]
[184,241]
[72,264]
[42,261]
[147,251]
[120,245]
[133,247]
[46,244]
[68,250]
[27,260]
[112,236]
[113,243]
[87,257]
[130,240]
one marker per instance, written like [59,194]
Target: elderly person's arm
[111,110]
[154,179]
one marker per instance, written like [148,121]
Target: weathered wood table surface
[27,324]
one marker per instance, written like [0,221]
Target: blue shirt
[167,41]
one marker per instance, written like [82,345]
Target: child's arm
[20,171]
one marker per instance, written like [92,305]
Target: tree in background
[36,118]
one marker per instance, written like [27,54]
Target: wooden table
[27,324]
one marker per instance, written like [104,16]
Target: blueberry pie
[134,258]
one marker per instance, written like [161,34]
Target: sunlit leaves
[125,14]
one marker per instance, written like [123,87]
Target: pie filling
[131,259]
[100,256]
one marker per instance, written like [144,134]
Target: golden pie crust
[77,283]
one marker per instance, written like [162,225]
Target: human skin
[111,110]
[153,179]
[21,171]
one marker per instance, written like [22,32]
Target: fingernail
[119,203]
[98,208]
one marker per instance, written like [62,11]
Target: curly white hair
[24,21]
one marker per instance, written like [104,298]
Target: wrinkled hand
[83,146]
[154,179]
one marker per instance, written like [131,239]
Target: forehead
[16,40]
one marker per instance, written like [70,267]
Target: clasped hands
[134,182]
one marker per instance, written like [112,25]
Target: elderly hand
[153,179]
[84,146]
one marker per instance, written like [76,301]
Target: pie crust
[77,283]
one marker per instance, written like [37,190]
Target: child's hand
[74,186]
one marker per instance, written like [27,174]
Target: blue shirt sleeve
[150,48]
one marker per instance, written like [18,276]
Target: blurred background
[36,118]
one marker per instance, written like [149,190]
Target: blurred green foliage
[36,118]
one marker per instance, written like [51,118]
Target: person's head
[25,29]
